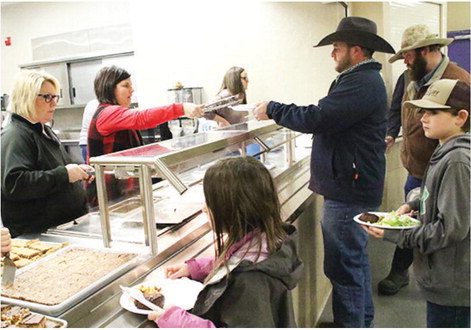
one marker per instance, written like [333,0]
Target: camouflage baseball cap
[417,36]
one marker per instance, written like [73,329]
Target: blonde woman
[40,184]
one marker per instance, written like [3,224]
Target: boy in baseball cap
[445,108]
[442,244]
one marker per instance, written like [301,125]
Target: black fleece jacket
[255,295]
[36,193]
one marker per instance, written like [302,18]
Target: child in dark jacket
[248,282]
[442,244]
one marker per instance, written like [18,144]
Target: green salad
[394,220]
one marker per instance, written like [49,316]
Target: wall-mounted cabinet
[82,76]
[77,75]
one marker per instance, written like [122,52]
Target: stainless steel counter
[177,242]
[189,240]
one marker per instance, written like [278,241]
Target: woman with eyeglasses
[235,82]
[114,127]
[41,185]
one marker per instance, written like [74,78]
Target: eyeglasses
[49,97]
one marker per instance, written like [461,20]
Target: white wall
[196,42]
[26,21]
[404,15]
[458,14]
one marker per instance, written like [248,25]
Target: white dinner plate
[357,219]
[181,292]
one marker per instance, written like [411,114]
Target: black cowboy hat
[358,31]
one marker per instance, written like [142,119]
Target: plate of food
[181,292]
[386,220]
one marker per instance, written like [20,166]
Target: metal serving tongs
[222,103]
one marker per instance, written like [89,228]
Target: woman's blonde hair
[26,88]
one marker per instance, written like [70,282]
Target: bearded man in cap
[347,160]
[420,49]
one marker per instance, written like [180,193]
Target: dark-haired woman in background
[114,127]
[235,82]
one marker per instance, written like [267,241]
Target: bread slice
[19,243]
[21,262]
[14,256]
[40,246]
[26,253]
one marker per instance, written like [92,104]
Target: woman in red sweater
[114,127]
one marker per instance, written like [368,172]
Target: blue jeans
[439,316]
[346,264]
[411,183]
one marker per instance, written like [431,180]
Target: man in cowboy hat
[420,50]
[347,160]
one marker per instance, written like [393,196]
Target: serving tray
[59,308]
[51,322]
[27,244]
